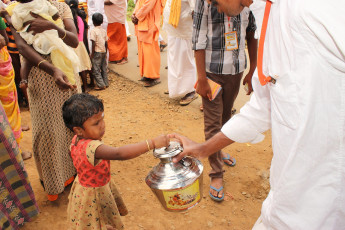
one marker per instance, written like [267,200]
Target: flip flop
[215,198]
[151,83]
[186,100]
[228,158]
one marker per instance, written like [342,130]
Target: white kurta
[305,109]
[181,64]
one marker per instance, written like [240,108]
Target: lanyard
[264,79]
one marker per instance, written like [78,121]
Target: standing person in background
[18,203]
[115,11]
[48,88]
[84,58]
[8,91]
[146,18]
[178,23]
[219,42]
[299,92]
[95,6]
[98,37]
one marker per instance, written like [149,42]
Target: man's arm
[203,150]
[252,44]
[199,41]
[141,12]
[108,2]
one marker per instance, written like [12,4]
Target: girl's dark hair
[80,107]
[73,4]
[97,19]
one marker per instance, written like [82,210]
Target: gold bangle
[148,146]
[64,35]
[38,65]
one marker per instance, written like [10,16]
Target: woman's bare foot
[25,128]
[26,155]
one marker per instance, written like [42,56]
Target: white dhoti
[181,67]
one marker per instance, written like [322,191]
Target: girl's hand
[161,141]
[39,24]
[61,80]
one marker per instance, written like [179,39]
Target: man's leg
[231,87]
[213,111]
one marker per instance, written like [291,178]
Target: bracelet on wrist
[38,65]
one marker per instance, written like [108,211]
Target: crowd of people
[45,45]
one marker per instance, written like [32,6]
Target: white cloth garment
[182,69]
[305,109]
[46,41]
[117,11]
[185,26]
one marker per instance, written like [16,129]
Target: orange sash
[264,79]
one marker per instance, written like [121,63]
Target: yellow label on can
[182,198]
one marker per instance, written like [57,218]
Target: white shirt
[184,28]
[305,109]
[96,6]
[116,12]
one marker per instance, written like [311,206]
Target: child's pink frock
[94,201]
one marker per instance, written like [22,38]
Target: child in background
[85,63]
[98,37]
[94,202]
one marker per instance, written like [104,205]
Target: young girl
[94,202]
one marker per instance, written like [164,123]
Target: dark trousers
[218,112]
[99,69]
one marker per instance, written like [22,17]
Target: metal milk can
[178,186]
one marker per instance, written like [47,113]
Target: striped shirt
[209,27]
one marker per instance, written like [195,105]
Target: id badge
[231,41]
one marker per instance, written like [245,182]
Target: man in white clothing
[301,98]
[182,69]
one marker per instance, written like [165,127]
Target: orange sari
[8,93]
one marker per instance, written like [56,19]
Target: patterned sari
[17,200]
[8,93]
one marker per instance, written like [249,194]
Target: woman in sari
[8,91]
[48,88]
[18,204]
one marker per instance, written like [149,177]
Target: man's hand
[39,24]
[190,148]
[204,89]
[248,79]
[135,20]
[61,80]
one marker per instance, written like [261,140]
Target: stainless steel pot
[178,186]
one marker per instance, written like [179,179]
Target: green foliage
[130,9]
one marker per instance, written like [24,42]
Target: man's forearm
[200,64]
[252,51]
[214,144]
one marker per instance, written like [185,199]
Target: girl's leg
[83,76]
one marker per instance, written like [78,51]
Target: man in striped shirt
[219,42]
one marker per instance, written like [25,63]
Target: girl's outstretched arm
[127,152]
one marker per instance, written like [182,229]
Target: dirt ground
[134,113]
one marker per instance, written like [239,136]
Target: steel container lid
[168,175]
